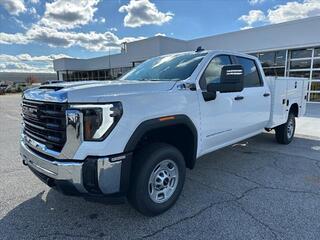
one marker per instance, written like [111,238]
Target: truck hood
[93,91]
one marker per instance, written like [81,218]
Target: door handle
[239,98]
[266,94]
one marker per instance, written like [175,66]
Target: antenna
[110,72]
[199,49]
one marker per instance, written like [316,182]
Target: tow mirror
[231,80]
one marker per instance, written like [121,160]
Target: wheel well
[178,135]
[294,109]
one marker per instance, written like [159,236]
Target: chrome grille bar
[45,122]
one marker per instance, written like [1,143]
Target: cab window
[213,70]
[251,75]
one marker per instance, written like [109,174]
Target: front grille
[45,123]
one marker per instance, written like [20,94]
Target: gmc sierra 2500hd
[136,136]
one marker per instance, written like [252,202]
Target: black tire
[144,164]
[283,135]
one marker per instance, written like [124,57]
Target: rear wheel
[285,132]
[157,178]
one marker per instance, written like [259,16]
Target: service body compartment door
[278,88]
[285,91]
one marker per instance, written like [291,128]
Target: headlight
[99,119]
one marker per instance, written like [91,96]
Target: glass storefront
[306,63]
[273,63]
[303,62]
[104,74]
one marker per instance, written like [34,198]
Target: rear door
[254,100]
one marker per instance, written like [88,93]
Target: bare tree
[31,79]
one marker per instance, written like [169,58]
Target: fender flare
[161,122]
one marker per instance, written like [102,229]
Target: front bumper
[96,176]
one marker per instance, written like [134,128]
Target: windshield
[172,67]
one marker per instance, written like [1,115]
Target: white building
[285,49]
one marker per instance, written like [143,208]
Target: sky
[34,32]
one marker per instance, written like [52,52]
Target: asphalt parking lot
[256,189]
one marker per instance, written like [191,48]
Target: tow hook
[24,162]
[50,182]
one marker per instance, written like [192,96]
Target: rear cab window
[252,76]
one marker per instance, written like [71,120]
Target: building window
[85,76]
[64,76]
[95,75]
[300,64]
[315,86]
[274,72]
[301,53]
[315,96]
[273,63]
[102,75]
[280,58]
[302,74]
[267,59]
[316,75]
[317,52]
[316,63]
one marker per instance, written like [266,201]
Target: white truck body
[182,113]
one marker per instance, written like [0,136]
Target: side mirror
[231,80]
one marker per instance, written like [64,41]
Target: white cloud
[34,1]
[254,2]
[160,34]
[252,17]
[283,13]
[19,22]
[24,67]
[25,57]
[14,7]
[69,14]
[27,63]
[32,11]
[143,12]
[246,27]
[294,10]
[92,41]
[10,38]
[55,28]
[113,29]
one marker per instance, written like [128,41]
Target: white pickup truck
[136,136]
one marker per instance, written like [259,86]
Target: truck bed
[284,92]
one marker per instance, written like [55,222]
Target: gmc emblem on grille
[30,110]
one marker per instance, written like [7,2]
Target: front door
[219,117]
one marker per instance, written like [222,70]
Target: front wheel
[157,178]
[285,132]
